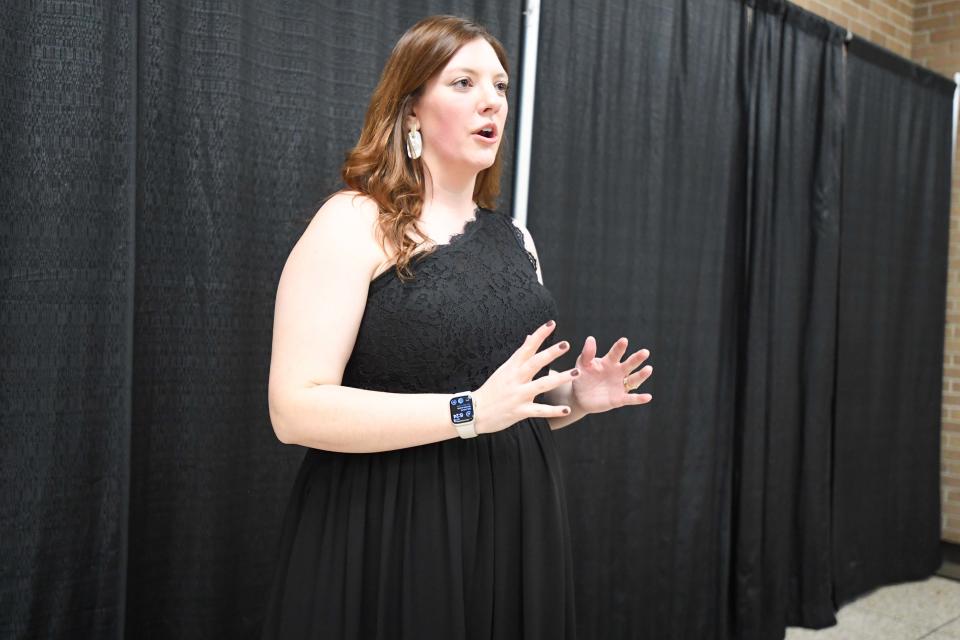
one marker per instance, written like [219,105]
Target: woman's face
[469,93]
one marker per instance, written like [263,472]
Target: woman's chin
[486,160]
[475,161]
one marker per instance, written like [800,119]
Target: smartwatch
[463,414]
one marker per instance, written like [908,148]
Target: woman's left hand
[600,385]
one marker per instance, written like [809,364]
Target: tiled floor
[929,609]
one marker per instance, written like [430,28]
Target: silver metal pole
[953,138]
[528,82]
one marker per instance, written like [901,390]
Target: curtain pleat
[66,192]
[781,573]
[893,280]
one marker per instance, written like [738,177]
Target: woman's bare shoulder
[347,200]
[356,216]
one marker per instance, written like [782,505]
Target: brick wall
[888,23]
[927,32]
[936,36]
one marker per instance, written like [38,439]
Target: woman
[407,358]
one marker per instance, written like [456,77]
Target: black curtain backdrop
[637,203]
[691,198]
[893,280]
[67,179]
[717,181]
[787,306]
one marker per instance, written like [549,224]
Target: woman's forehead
[475,57]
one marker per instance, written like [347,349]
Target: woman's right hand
[507,396]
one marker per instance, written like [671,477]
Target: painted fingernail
[550,323]
[566,410]
[563,345]
[575,372]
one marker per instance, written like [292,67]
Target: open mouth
[488,136]
[489,132]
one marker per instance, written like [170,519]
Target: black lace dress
[464,538]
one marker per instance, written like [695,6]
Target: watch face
[461,409]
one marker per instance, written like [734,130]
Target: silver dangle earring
[414,144]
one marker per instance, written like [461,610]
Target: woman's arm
[350,420]
[320,301]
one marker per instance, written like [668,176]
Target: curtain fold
[896,228]
[781,560]
[637,196]
[66,191]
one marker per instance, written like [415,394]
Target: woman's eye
[502,86]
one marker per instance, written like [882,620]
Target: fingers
[529,354]
[617,350]
[589,351]
[535,340]
[545,357]
[535,360]
[547,410]
[637,378]
[636,358]
[554,380]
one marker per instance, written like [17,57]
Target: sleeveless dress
[458,539]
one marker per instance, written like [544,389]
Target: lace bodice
[470,306]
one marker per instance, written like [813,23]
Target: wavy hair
[378,166]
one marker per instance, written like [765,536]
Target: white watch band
[468,429]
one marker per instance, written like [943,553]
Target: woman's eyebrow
[473,71]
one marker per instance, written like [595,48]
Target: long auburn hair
[378,166]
